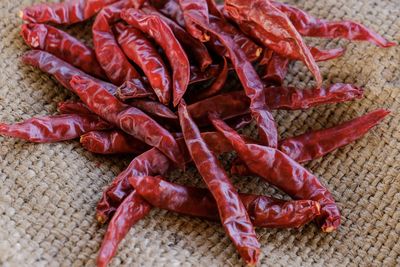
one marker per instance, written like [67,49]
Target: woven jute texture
[48,192]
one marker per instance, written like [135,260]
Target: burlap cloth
[48,193]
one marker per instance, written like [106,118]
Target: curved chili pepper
[67,12]
[131,210]
[196,75]
[324,55]
[195,50]
[61,70]
[131,90]
[199,10]
[154,109]
[112,142]
[143,53]
[308,25]
[232,212]
[271,27]
[109,54]
[283,172]
[264,211]
[129,119]
[63,46]
[70,107]
[156,28]
[54,128]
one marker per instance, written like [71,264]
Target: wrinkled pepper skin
[55,128]
[264,211]
[143,53]
[133,90]
[63,46]
[112,142]
[61,70]
[131,210]
[232,212]
[110,56]
[129,119]
[197,75]
[199,10]
[71,107]
[286,174]
[308,25]
[157,29]
[154,109]
[65,13]
[195,50]
[271,27]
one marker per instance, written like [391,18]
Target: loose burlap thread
[48,192]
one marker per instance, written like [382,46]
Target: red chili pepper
[63,46]
[109,54]
[131,90]
[156,28]
[155,109]
[143,53]
[264,211]
[214,10]
[131,210]
[195,50]
[271,27]
[232,212]
[197,75]
[129,119]
[171,9]
[61,70]
[112,142]
[286,174]
[70,107]
[54,128]
[308,25]
[199,10]
[68,12]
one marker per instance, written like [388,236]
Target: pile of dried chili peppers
[154,85]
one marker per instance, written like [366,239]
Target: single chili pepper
[271,27]
[112,142]
[131,210]
[171,9]
[264,211]
[252,85]
[197,76]
[54,128]
[63,46]
[129,119]
[196,51]
[61,70]
[283,172]
[109,54]
[214,10]
[217,85]
[131,90]
[199,10]
[143,53]
[324,55]
[308,25]
[156,28]
[232,212]
[71,107]
[154,108]
[67,12]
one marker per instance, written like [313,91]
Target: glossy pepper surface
[72,107]
[199,10]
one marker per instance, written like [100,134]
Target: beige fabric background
[48,193]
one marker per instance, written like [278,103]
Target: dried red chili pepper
[154,108]
[67,12]
[197,76]
[63,46]
[232,212]
[131,210]
[199,10]
[264,211]
[324,55]
[60,69]
[195,50]
[156,28]
[171,9]
[271,27]
[283,172]
[214,10]
[316,144]
[109,54]
[112,142]
[54,128]
[129,119]
[131,90]
[143,53]
[70,107]
[308,25]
